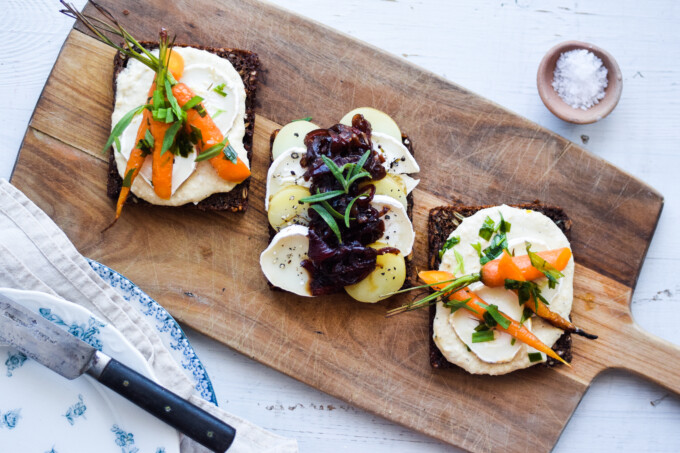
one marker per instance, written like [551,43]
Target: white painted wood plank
[491,48]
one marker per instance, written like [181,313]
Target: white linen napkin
[36,255]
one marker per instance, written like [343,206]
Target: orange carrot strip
[176,65]
[161,169]
[211,135]
[492,275]
[478,305]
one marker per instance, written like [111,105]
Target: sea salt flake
[580,78]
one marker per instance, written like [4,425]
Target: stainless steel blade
[42,341]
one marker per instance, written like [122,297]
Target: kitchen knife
[70,357]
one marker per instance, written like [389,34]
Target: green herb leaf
[455,305]
[513,341]
[211,152]
[193,102]
[332,210]
[219,89]
[526,314]
[169,137]
[478,248]
[229,152]
[349,209]
[481,327]
[328,218]
[322,196]
[494,250]
[358,167]
[526,291]
[332,166]
[196,136]
[487,229]
[535,357]
[121,125]
[503,226]
[460,266]
[218,112]
[501,320]
[127,181]
[450,242]
[483,336]
[545,267]
[177,110]
[306,118]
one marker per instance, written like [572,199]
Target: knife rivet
[168,408]
[210,434]
[126,383]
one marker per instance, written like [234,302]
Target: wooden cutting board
[204,266]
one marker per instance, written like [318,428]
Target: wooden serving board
[204,266]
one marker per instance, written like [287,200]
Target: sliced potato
[291,135]
[390,186]
[388,276]
[285,208]
[380,121]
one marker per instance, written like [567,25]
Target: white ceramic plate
[167,328]
[42,412]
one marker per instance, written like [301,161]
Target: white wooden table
[492,48]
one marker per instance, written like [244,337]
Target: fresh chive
[494,250]
[460,265]
[306,118]
[483,336]
[450,242]
[148,136]
[211,152]
[328,218]
[513,341]
[525,291]
[121,125]
[127,181]
[169,137]
[503,226]
[526,314]
[219,89]
[481,327]
[218,112]
[322,196]
[193,102]
[478,248]
[502,321]
[229,152]
[179,113]
[535,357]
[545,267]
[455,305]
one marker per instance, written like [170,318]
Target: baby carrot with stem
[478,307]
[493,276]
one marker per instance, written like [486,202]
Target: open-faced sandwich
[503,287]
[182,120]
[338,202]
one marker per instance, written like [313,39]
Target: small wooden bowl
[563,110]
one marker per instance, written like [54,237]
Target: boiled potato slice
[388,276]
[291,135]
[285,208]
[390,186]
[380,121]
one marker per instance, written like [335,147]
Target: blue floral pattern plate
[171,333]
[41,411]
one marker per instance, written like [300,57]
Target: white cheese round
[203,71]
[398,159]
[286,170]
[281,261]
[543,234]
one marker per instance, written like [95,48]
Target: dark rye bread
[410,267]
[443,221]
[247,64]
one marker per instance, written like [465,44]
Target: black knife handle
[160,402]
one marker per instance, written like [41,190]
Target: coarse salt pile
[580,78]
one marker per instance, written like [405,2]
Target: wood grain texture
[284,333]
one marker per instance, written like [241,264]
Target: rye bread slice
[247,64]
[442,222]
[410,267]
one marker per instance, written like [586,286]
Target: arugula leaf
[121,125]
[450,242]
[487,229]
[219,89]
[545,267]
[127,181]
[483,336]
[498,318]
[322,196]
[169,137]
[328,218]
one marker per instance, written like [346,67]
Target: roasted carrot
[161,169]
[492,275]
[176,65]
[478,308]
[211,136]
